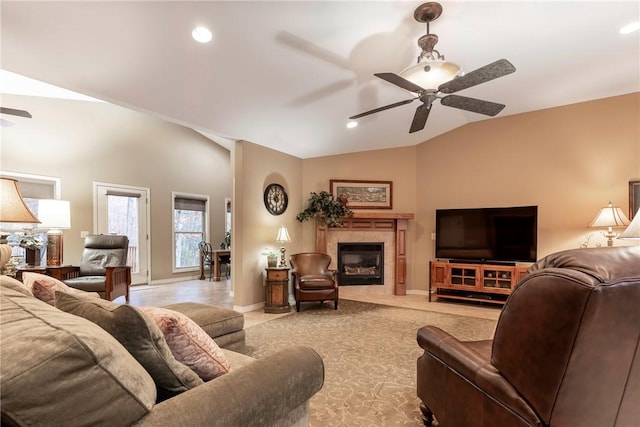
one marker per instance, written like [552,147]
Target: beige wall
[254,228]
[82,142]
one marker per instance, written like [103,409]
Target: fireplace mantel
[376,221]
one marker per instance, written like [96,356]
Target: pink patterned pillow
[44,287]
[189,343]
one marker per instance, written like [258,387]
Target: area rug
[369,353]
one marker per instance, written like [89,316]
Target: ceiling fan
[432,78]
[13,112]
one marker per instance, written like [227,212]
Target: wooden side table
[29,269]
[277,284]
[60,272]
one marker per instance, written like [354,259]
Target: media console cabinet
[474,282]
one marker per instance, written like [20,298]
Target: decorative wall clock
[275,199]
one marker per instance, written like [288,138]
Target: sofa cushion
[60,369]
[16,285]
[44,287]
[189,343]
[137,334]
[216,321]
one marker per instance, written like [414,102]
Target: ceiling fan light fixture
[431,74]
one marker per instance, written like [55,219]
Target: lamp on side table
[55,216]
[12,210]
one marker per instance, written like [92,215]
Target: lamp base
[610,235]
[54,248]
[5,254]
[283,261]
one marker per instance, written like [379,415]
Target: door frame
[147,216]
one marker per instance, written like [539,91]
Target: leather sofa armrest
[461,358]
[257,394]
[450,350]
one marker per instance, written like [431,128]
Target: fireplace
[361,263]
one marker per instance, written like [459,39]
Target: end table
[277,284]
[29,269]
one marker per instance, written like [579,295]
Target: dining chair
[206,251]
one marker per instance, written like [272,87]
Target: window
[190,219]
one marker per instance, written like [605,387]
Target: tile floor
[219,293]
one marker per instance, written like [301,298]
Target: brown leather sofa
[565,353]
[312,279]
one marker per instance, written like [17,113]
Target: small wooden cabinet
[474,282]
[277,288]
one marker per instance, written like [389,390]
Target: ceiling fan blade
[14,112]
[386,107]
[472,104]
[420,118]
[400,81]
[312,49]
[500,68]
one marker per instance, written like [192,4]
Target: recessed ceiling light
[202,35]
[630,28]
[351,125]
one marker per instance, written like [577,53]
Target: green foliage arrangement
[326,208]
[31,241]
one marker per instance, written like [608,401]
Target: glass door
[123,210]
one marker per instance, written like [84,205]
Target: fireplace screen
[361,263]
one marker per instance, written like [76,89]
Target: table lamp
[54,215]
[633,230]
[610,216]
[13,210]
[283,237]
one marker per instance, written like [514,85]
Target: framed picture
[634,197]
[363,194]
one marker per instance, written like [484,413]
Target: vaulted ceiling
[287,75]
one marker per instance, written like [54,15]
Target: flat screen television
[505,234]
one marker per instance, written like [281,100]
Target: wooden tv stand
[474,282]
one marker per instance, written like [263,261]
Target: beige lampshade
[13,210]
[283,235]
[610,216]
[12,206]
[633,230]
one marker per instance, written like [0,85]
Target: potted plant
[32,245]
[329,210]
[272,257]
[227,240]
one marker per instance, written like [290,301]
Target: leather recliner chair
[565,352]
[102,268]
[312,279]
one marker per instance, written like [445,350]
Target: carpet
[369,353]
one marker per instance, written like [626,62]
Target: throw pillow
[44,287]
[11,283]
[136,333]
[189,343]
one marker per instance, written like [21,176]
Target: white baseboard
[248,308]
[172,280]
[418,292]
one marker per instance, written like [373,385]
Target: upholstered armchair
[565,352]
[312,279]
[102,268]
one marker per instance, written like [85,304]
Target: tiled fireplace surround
[390,228]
